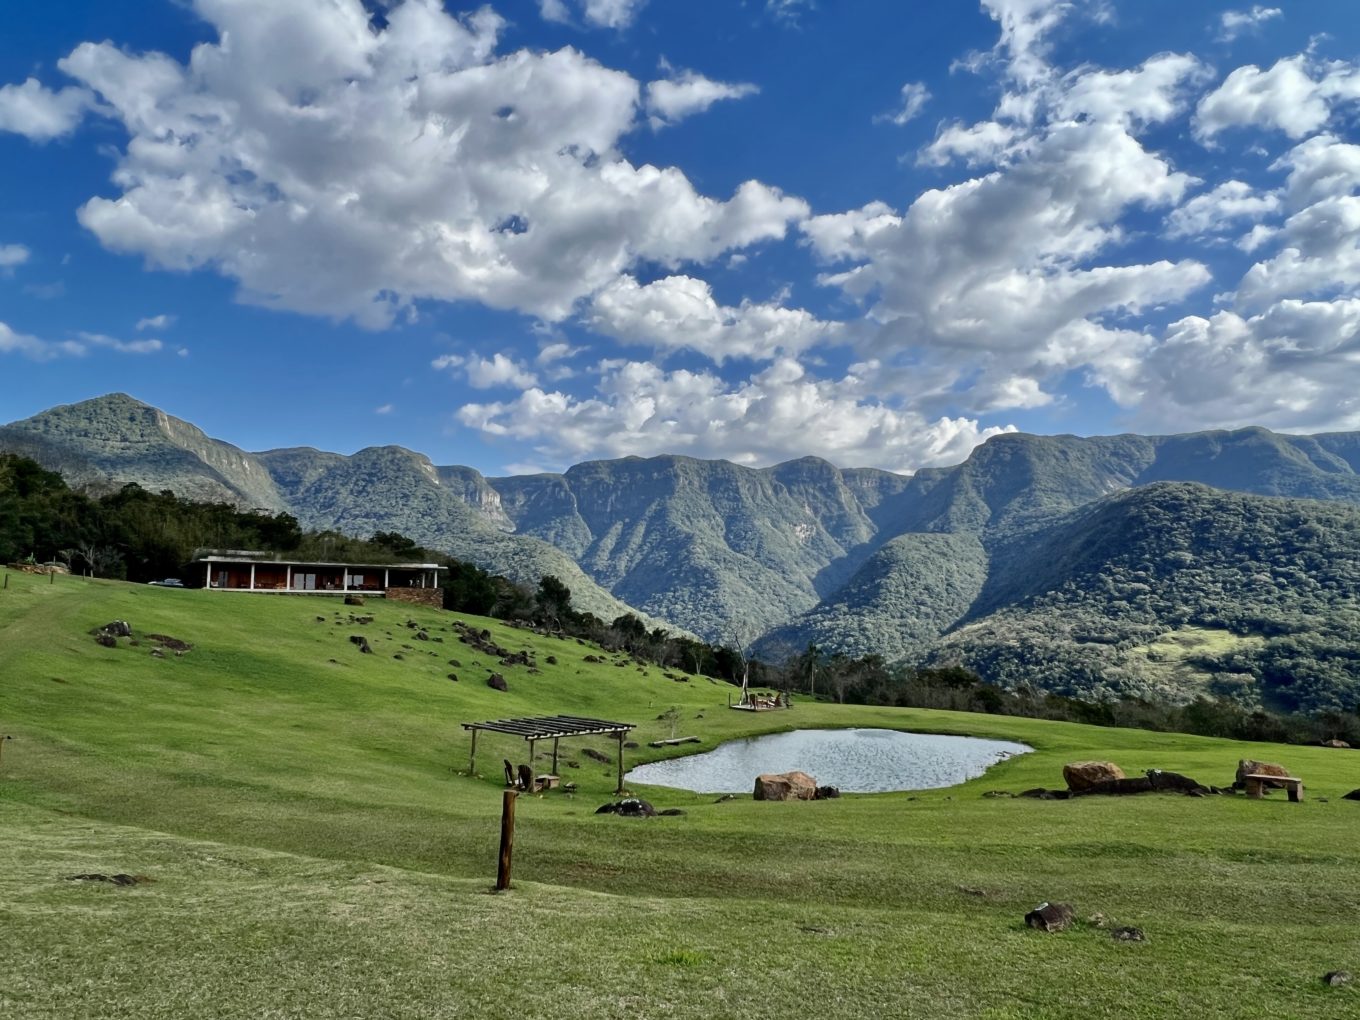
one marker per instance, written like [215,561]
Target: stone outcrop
[786,786]
[1080,776]
[1050,917]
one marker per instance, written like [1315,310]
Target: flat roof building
[259,572]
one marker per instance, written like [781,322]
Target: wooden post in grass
[620,736]
[554,768]
[507,840]
[2,745]
[472,759]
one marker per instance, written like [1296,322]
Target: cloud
[385,409]
[41,114]
[1295,366]
[1231,24]
[12,255]
[1220,209]
[488,373]
[161,321]
[680,312]
[122,346]
[599,13]
[777,414]
[671,100]
[334,169]
[1295,96]
[33,348]
[913,99]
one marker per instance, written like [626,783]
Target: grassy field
[318,848]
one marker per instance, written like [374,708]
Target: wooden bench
[1256,786]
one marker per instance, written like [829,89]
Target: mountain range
[1088,565]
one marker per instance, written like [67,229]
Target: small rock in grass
[671,812]
[107,640]
[1050,917]
[630,744]
[826,793]
[551,660]
[362,642]
[497,682]
[1336,978]
[1128,933]
[1353,795]
[398,655]
[453,677]
[632,807]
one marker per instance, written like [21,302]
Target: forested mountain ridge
[976,563]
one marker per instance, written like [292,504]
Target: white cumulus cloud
[1231,24]
[335,169]
[12,255]
[911,102]
[39,113]
[777,414]
[670,100]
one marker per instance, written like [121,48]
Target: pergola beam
[554,728]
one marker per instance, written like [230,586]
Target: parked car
[169,582]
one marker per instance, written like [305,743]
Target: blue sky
[528,234]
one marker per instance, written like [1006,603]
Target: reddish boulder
[786,786]
[1248,767]
[1082,775]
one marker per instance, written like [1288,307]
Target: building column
[387,579]
[288,579]
[252,577]
[207,575]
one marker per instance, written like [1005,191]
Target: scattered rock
[354,600]
[1080,776]
[156,653]
[174,644]
[453,677]
[725,797]
[827,793]
[785,786]
[118,628]
[1175,782]
[320,619]
[1335,743]
[1353,795]
[595,755]
[398,655]
[422,635]
[592,658]
[630,744]
[455,663]
[1336,978]
[112,879]
[107,640]
[362,642]
[551,660]
[632,807]
[497,682]
[1050,917]
[670,812]
[1037,793]
[1128,933]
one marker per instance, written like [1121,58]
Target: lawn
[319,849]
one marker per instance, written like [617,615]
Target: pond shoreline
[854,759]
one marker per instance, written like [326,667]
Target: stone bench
[1256,786]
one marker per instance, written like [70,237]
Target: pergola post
[620,736]
[472,761]
[555,740]
[531,752]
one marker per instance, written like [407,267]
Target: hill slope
[306,817]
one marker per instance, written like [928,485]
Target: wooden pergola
[554,728]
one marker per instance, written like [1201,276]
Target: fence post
[507,840]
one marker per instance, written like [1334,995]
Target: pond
[856,761]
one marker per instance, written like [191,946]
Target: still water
[856,761]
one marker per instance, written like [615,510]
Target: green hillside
[317,848]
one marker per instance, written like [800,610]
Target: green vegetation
[317,848]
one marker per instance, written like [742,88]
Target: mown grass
[319,849]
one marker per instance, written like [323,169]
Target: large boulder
[1335,743]
[497,682]
[1248,767]
[1114,787]
[786,786]
[1080,776]
[1174,782]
